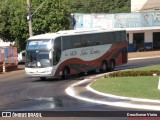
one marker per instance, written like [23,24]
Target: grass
[137,87]
[153,67]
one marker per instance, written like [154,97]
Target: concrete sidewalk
[143,54]
[11,73]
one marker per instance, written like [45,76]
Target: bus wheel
[65,73]
[111,65]
[81,74]
[103,67]
[43,78]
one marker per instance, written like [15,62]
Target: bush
[134,73]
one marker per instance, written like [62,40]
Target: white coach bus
[70,52]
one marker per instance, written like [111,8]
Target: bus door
[57,51]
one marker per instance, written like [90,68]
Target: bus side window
[96,40]
[76,42]
[92,40]
[85,40]
[67,43]
[111,38]
[115,38]
[118,37]
[124,36]
[101,38]
[57,51]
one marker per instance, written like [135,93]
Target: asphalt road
[20,93]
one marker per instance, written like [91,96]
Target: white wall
[2,43]
[145,5]
[148,35]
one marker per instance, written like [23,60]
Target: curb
[122,97]
[72,92]
[149,106]
[141,58]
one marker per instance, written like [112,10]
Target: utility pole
[29,18]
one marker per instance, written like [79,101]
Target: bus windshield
[37,53]
[38,59]
[39,44]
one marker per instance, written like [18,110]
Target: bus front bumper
[39,72]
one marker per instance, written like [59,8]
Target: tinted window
[110,38]
[67,44]
[118,37]
[92,40]
[76,42]
[103,38]
[123,35]
[107,38]
[57,51]
[96,39]
[86,40]
[57,44]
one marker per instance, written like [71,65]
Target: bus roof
[71,32]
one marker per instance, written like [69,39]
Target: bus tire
[43,78]
[104,67]
[65,73]
[111,65]
[81,74]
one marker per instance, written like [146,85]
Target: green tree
[98,6]
[51,17]
[13,23]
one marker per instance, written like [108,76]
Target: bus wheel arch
[111,65]
[104,66]
[65,72]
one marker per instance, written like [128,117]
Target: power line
[38,7]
